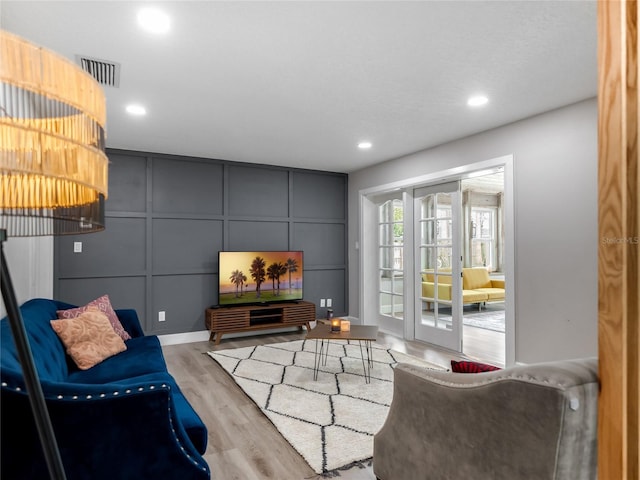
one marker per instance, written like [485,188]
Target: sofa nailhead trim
[175,435]
[140,389]
[5,384]
[89,396]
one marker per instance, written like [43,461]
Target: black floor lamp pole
[34,389]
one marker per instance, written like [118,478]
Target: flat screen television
[252,278]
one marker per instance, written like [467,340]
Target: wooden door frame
[618,259]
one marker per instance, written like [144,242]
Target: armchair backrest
[477,277]
[536,421]
[428,276]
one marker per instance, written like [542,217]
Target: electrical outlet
[161,317]
[77,247]
[329,302]
[322,302]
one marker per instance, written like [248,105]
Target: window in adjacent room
[483,237]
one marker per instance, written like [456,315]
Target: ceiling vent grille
[104,71]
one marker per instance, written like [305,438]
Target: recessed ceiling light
[136,110]
[477,101]
[364,145]
[154,20]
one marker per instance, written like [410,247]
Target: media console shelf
[257,317]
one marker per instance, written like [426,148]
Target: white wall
[555,189]
[30,262]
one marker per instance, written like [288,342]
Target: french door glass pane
[385,234]
[427,258]
[443,211]
[386,258]
[444,257]
[398,261]
[428,232]
[436,315]
[385,303]
[428,209]
[398,306]
[385,280]
[398,286]
[398,211]
[444,230]
[383,211]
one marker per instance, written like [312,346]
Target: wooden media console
[258,317]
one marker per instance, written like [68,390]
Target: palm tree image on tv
[273,277]
[258,273]
[238,279]
[292,267]
[279,269]
[272,274]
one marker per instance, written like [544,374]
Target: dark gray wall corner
[167,218]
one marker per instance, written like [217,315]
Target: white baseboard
[178,338]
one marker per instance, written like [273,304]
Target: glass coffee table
[361,333]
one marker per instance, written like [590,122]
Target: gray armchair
[532,422]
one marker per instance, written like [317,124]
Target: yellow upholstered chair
[477,279]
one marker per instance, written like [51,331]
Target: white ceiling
[300,83]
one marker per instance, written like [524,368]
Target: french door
[438,263]
[390,275]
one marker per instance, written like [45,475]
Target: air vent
[104,71]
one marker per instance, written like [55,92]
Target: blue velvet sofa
[124,418]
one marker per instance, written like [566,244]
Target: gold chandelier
[53,167]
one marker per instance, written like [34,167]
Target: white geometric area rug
[331,421]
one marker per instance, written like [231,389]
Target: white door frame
[368,247]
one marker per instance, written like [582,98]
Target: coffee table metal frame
[362,333]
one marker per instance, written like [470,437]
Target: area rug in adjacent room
[331,421]
[489,320]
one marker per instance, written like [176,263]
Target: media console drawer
[257,317]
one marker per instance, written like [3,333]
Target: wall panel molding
[184,211]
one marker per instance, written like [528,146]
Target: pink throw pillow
[89,338]
[103,304]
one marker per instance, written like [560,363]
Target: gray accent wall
[556,223]
[167,218]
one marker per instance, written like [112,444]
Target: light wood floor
[243,444]
[483,345]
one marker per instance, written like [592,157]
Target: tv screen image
[259,277]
